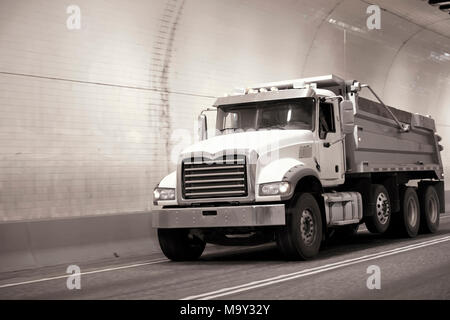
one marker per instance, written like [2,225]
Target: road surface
[416,268]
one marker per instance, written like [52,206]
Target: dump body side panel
[377,144]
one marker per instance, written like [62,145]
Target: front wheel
[302,235]
[180,245]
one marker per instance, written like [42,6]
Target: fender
[294,175]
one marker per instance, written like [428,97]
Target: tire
[406,222]
[178,245]
[300,239]
[429,210]
[379,206]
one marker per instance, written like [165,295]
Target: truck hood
[259,141]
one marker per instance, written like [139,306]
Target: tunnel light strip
[311,271]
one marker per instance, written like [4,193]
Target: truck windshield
[293,114]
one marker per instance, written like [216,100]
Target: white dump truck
[297,161]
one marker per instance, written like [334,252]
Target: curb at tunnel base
[33,244]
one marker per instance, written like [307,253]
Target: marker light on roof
[238,91]
[298,84]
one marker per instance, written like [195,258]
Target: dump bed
[378,145]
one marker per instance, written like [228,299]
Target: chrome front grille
[223,177]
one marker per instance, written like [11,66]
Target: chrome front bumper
[235,216]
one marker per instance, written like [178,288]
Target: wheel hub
[307,228]
[383,208]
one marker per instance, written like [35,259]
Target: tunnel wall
[92,118]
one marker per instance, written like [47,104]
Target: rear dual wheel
[379,217]
[417,212]
[407,222]
[429,209]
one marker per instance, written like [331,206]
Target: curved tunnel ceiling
[407,62]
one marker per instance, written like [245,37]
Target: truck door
[330,145]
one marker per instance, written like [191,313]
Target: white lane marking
[311,271]
[118,268]
[84,273]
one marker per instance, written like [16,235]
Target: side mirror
[348,117]
[202,127]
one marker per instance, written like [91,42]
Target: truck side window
[326,119]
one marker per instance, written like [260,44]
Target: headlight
[163,194]
[274,188]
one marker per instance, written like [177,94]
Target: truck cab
[311,121]
[285,166]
